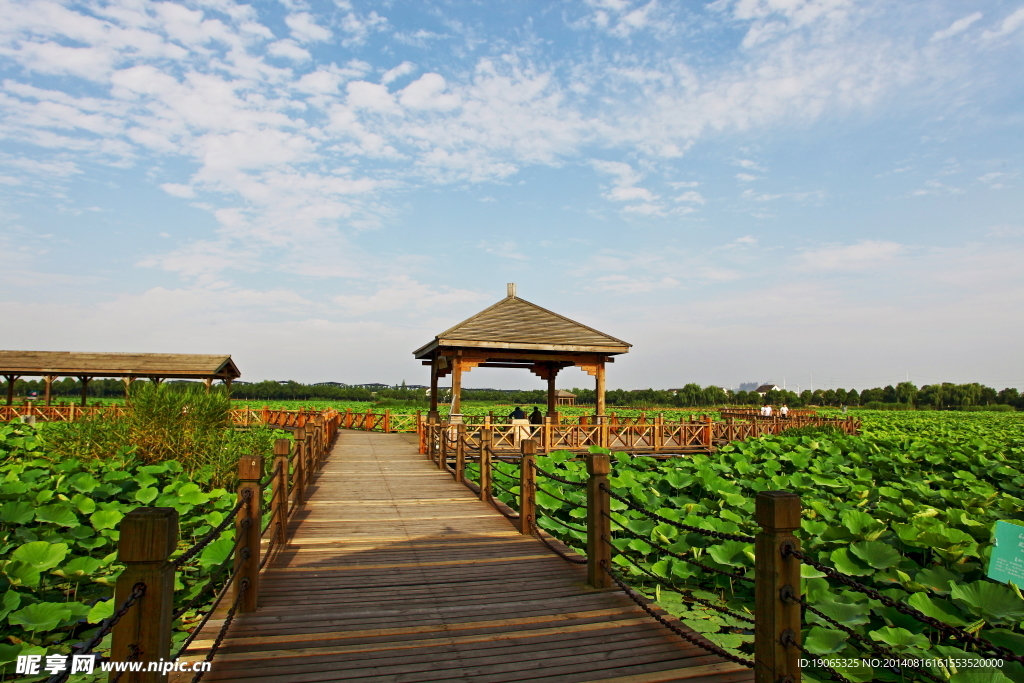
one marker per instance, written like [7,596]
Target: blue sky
[808,191]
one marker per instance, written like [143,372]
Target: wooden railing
[652,438]
[148,546]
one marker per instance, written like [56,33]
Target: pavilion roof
[165,365]
[517,324]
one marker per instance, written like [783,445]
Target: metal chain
[106,626]
[731,575]
[548,493]
[788,638]
[242,587]
[206,589]
[874,648]
[721,535]
[641,603]
[213,607]
[502,488]
[555,477]
[688,598]
[214,533]
[1003,653]
[574,527]
[270,477]
[536,530]
[133,654]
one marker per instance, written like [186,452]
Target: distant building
[416,386]
[373,385]
[749,386]
[564,398]
[765,388]
[330,384]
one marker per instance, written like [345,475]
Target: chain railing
[148,543]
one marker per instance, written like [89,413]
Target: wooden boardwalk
[395,573]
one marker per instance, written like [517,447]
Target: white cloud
[305,29]
[402,292]
[428,92]
[288,49]
[745,177]
[691,196]
[403,69]
[177,190]
[958,26]
[371,96]
[863,255]
[1007,26]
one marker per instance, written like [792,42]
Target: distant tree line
[943,396]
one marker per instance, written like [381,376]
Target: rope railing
[946,629]
[105,628]
[685,635]
[213,533]
[148,537]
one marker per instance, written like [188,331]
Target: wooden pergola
[515,333]
[85,367]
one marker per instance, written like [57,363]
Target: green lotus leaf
[85,504]
[942,610]
[22,574]
[1001,637]
[993,602]
[862,524]
[79,568]
[216,552]
[877,554]
[732,553]
[10,653]
[41,555]
[899,638]
[824,641]
[83,482]
[100,611]
[848,614]
[641,547]
[17,512]
[58,513]
[936,579]
[146,495]
[980,676]
[846,564]
[105,519]
[10,602]
[40,616]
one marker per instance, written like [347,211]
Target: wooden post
[442,455]
[527,488]
[778,515]
[148,536]
[456,385]
[387,421]
[552,398]
[282,448]
[250,472]
[11,379]
[486,439]
[432,414]
[707,431]
[460,454]
[299,436]
[85,386]
[49,383]
[599,529]
[599,389]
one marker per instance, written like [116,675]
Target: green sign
[1007,562]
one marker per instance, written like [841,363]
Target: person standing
[518,414]
[767,409]
[536,418]
[784,411]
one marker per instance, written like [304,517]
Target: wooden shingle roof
[69,363]
[515,323]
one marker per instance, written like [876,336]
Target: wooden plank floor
[395,574]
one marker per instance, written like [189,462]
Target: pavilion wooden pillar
[11,379]
[432,414]
[49,386]
[85,387]
[456,385]
[209,383]
[552,396]
[599,390]
[128,381]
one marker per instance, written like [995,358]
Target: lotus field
[907,508]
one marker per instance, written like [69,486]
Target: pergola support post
[49,387]
[11,379]
[552,393]
[85,387]
[432,415]
[456,386]
[599,391]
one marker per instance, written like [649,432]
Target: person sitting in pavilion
[518,414]
[535,417]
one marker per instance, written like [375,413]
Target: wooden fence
[149,548]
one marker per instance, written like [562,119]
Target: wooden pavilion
[155,367]
[565,398]
[515,333]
